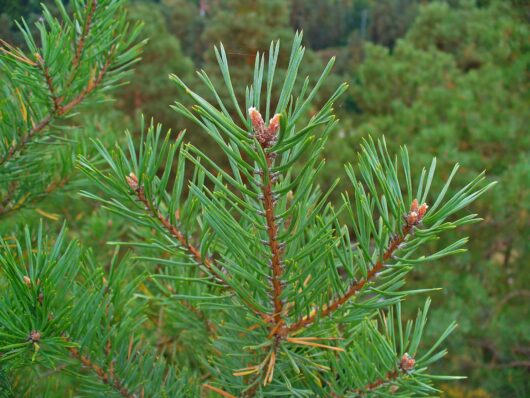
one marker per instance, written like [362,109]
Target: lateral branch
[174,231]
[107,377]
[59,109]
[411,220]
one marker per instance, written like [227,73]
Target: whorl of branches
[295,278]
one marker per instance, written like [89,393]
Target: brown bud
[422,210]
[414,206]
[258,124]
[34,336]
[26,281]
[412,218]
[265,135]
[274,125]
[407,362]
[132,180]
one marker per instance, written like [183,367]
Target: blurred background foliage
[447,79]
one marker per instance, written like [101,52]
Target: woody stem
[358,285]
[276,251]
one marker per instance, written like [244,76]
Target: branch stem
[86,29]
[174,231]
[108,378]
[390,376]
[178,234]
[358,285]
[276,251]
[60,111]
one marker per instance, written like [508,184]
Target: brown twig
[406,365]
[277,327]
[22,143]
[276,251]
[266,135]
[390,376]
[49,82]
[86,29]
[411,220]
[108,378]
[92,84]
[174,231]
[56,184]
[218,391]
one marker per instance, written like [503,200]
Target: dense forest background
[447,79]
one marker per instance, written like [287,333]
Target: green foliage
[187,22]
[236,262]
[455,87]
[16,8]
[77,56]
[148,92]
[329,31]
[272,260]
[61,311]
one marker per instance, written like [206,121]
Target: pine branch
[86,30]
[406,365]
[92,85]
[49,83]
[132,180]
[174,231]
[59,109]
[18,146]
[266,137]
[107,377]
[41,89]
[238,215]
[414,217]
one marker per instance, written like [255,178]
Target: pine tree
[243,281]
